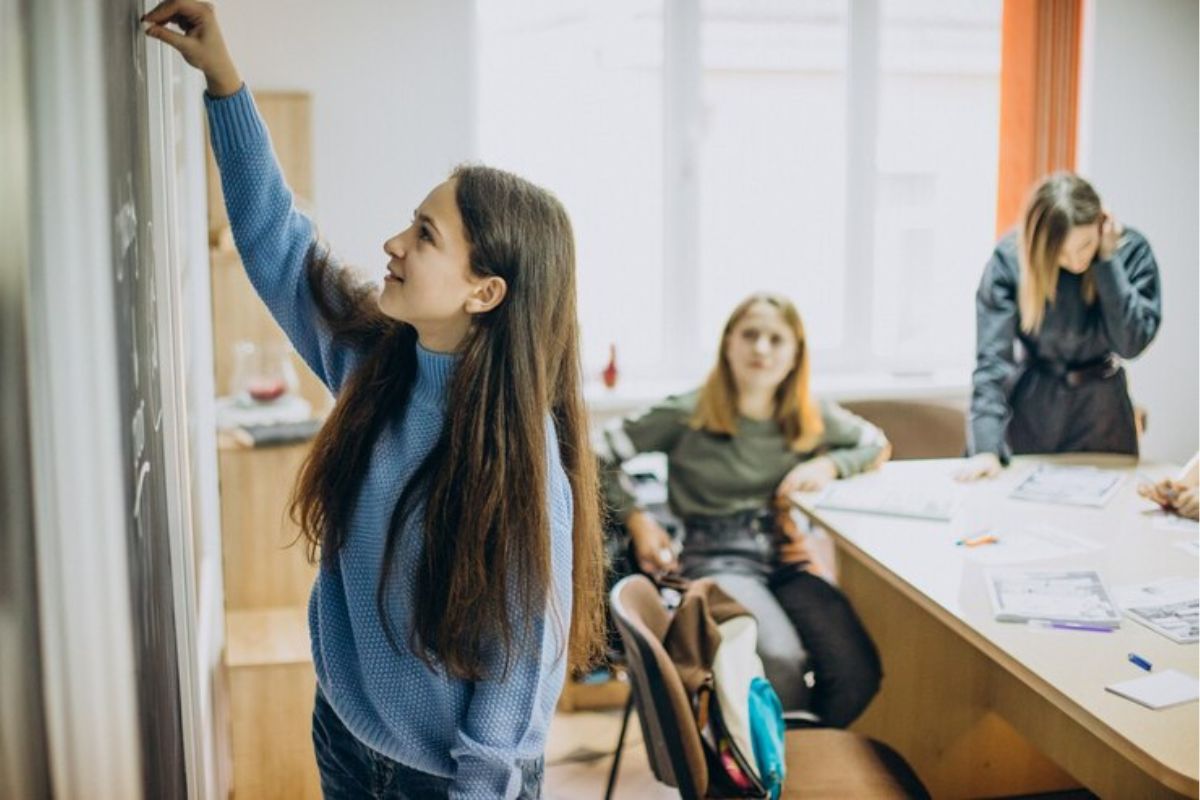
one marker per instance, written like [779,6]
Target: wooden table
[984,708]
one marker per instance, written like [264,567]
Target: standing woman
[451,495]
[752,434]
[1060,303]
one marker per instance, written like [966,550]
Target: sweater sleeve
[654,430]
[508,714]
[273,238]
[854,443]
[996,320]
[1127,288]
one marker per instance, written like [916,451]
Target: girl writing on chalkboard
[451,495]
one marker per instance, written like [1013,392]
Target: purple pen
[1069,626]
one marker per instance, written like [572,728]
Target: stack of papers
[1170,607]
[1062,596]
[878,497]
[1073,486]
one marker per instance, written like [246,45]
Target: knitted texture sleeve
[273,237]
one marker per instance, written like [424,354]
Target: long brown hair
[796,410]
[486,529]
[1057,204]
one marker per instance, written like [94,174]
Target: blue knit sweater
[471,732]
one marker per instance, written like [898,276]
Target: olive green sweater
[713,474]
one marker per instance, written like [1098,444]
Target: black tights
[841,654]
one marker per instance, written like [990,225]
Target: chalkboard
[135,272]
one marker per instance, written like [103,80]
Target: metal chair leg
[612,774]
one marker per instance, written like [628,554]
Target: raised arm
[1128,291]
[273,238]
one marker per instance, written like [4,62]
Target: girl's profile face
[429,278]
[761,348]
[1079,248]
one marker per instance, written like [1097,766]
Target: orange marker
[987,538]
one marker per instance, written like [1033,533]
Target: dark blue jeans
[352,771]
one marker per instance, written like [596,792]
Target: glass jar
[262,373]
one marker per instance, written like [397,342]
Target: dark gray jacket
[1019,402]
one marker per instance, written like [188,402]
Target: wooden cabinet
[267,672]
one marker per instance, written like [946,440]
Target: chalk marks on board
[125,226]
[142,475]
[138,433]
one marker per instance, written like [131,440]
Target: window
[841,152]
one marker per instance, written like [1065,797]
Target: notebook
[878,497]
[1159,690]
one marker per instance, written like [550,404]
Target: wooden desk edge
[1163,773]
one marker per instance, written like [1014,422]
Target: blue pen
[1134,658]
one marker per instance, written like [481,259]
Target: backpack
[712,642]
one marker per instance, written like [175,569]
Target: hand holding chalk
[200,42]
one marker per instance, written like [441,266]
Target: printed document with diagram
[1170,606]
[1063,596]
[1072,486]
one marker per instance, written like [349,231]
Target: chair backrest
[916,429]
[672,741]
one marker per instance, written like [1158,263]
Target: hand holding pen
[1172,495]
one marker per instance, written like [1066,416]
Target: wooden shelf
[267,636]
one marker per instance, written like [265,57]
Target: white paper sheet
[1054,595]
[1034,542]
[1073,486]
[890,499]
[1173,523]
[1192,547]
[1170,606]
[1160,689]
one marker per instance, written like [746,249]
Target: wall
[393,100]
[1138,143]
[392,89]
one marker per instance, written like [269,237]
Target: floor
[579,755]
[579,750]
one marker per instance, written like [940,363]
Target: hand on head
[1110,236]
[198,40]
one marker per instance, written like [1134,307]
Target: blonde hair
[796,410]
[1059,203]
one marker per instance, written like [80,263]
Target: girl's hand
[651,544]
[1110,235]
[1187,503]
[1163,492]
[1173,496]
[809,476]
[983,465]
[200,44]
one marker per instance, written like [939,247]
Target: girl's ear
[486,295]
